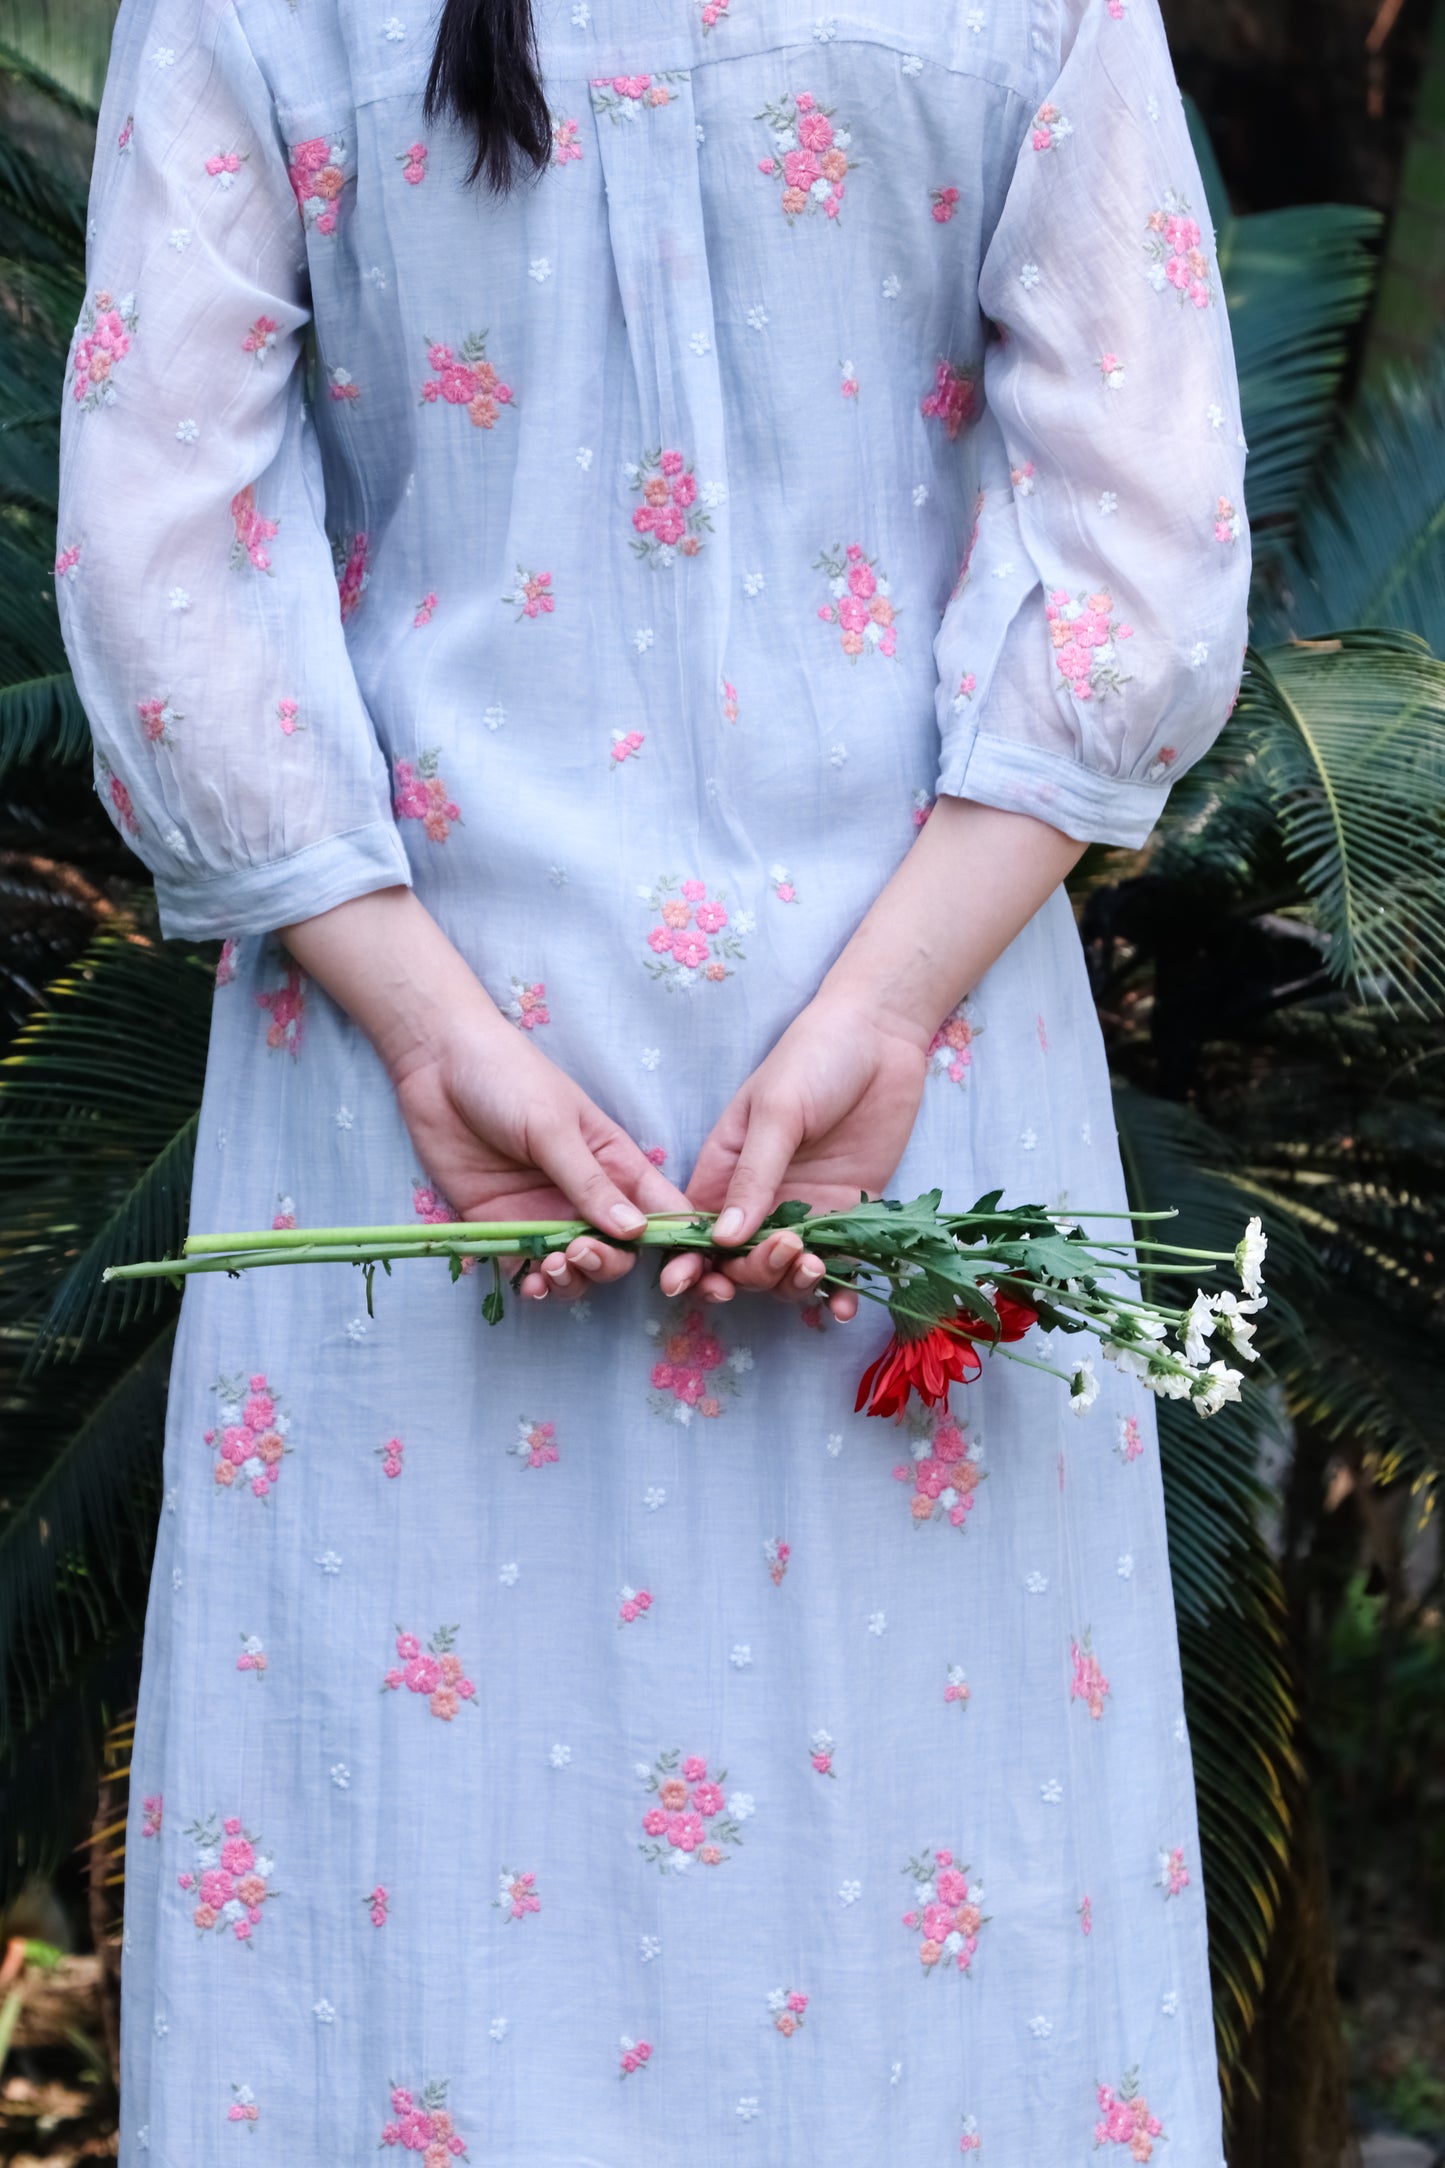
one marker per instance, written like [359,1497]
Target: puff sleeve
[197,594]
[1092,648]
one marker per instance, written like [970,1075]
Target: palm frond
[42,714]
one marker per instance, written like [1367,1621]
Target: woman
[774,535]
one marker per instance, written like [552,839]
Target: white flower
[1036,1583]
[699,132]
[741,1805]
[642,639]
[1028,1141]
[323,2012]
[164,56]
[581,15]
[1214,414]
[877,1622]
[1028,276]
[329,1561]
[1051,1792]
[1084,1390]
[179,598]
[748,2107]
[1151,107]
[1233,1320]
[850,1892]
[700,343]
[178,238]
[974,20]
[584,456]
[1249,1257]
[649,1947]
[344,1118]
[741,1656]
[834,1443]
[895,2072]
[711,495]
[340,1775]
[393,29]
[143,2137]
[495,716]
[1199,655]
[357,1330]
[560,1756]
[753,583]
[1041,2027]
[1125,1567]
[161,2026]
[540,268]
[1198,1325]
[892,286]
[757,317]
[654,1496]
[1108,502]
[509,1573]
[825,29]
[920,494]
[187,431]
[499,2028]
[912,64]
[1225,1387]
[375,276]
[1170,2004]
[557,875]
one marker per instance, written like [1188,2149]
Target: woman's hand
[826,1116]
[502,1132]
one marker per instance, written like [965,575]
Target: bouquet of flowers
[956,1285]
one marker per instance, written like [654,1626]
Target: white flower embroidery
[741,1805]
[920,493]
[700,343]
[741,1656]
[711,495]
[187,432]
[329,1561]
[753,583]
[1029,276]
[164,56]
[178,238]
[1199,655]
[584,457]
[877,1622]
[643,638]
[1028,1140]
[653,1497]
[509,1574]
[1125,1567]
[560,1756]
[1108,501]
[357,1330]
[1181,1730]
[974,20]
[895,2073]
[1041,2027]
[178,599]
[834,1442]
[649,1947]
[393,29]
[540,268]
[1214,414]
[1170,2004]
[1151,107]
[495,716]
[340,1776]
[912,64]
[837,754]
[650,1056]
[850,1892]
[825,29]
[161,2026]
[323,2012]
[748,2107]
[344,1118]
[499,2028]
[1051,1792]
[557,875]
[699,132]
[892,286]
[1036,1583]
[581,15]
[757,317]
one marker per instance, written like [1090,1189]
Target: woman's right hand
[500,1130]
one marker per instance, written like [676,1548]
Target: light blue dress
[587,1743]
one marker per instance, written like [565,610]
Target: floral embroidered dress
[587,1742]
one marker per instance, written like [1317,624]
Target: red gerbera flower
[928,1362]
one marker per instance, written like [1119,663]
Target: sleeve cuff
[258,899]
[1091,808]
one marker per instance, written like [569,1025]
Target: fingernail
[626,1219]
[587,1258]
[810,1270]
[728,1224]
[555,1267]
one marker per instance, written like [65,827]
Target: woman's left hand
[825,1117]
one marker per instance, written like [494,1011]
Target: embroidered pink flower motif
[341,384]
[625,746]
[226,961]
[517,1894]
[694,1371]
[223,166]
[945,203]
[777,1553]
[566,144]
[435,1672]
[252,1656]
[849,384]
[528,1007]
[67,562]
[945,1470]
[261,337]
[820,1753]
[413,164]
[634,1603]
[657,1153]
[713,13]
[695,934]
[391,1454]
[956,1687]
[249,1437]
[232,1878]
[1130,1442]
[729,702]
[421,2123]
[860,606]
[786,2007]
[946,1913]
[953,400]
[536,1443]
[1050,128]
[923,804]
[243,2108]
[123,140]
[967,687]
[970,2142]
[317,171]
[532,595]
[1173,1874]
[378,1903]
[809,155]
[784,887]
[420,795]
[349,556]
[1125,2118]
[252,532]
[429,1204]
[688,1825]
[104,336]
[1041,1029]
[288,715]
[1227,524]
[286,1006]
[426,609]
[621,97]
[1086,1915]
[1088,1683]
[950,1050]
[1022,478]
[156,717]
[1176,259]
[670,521]
[467,380]
[636,2054]
[153,1811]
[1085,635]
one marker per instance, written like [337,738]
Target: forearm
[385,959]
[972,881]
